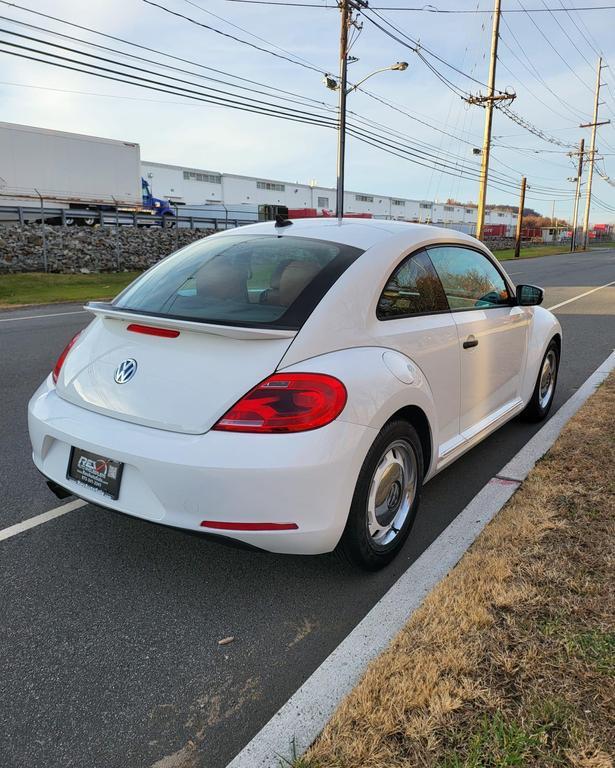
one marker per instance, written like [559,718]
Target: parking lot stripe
[32,522]
[580,296]
[36,317]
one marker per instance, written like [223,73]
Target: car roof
[360,233]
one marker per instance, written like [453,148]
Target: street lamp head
[330,82]
[400,66]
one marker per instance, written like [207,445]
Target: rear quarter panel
[375,393]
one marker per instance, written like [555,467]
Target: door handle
[470,342]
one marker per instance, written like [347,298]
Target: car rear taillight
[60,362]
[287,402]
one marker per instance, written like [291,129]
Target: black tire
[540,405]
[357,544]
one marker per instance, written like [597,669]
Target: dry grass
[511,660]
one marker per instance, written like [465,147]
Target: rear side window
[260,281]
[469,279]
[413,289]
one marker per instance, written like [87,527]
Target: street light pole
[341,85]
[343,93]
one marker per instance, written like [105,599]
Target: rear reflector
[151,330]
[249,526]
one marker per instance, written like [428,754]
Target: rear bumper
[181,480]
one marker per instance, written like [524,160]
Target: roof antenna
[280,221]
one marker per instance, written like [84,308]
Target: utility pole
[592,155]
[575,215]
[343,93]
[520,217]
[488,100]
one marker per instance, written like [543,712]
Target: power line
[421,9]
[532,69]
[232,37]
[247,31]
[257,102]
[139,45]
[298,98]
[553,48]
[532,128]
[415,46]
[526,86]
[174,90]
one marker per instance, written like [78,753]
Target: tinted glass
[241,280]
[469,279]
[414,288]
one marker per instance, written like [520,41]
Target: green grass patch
[532,252]
[41,288]
[543,738]
[594,647]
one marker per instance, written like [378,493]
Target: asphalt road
[109,654]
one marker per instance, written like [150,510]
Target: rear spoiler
[102,309]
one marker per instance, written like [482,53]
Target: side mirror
[529,295]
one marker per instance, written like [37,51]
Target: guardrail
[68,217]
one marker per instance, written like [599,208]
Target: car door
[415,319]
[493,334]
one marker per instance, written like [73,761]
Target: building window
[502,215]
[425,205]
[271,185]
[323,202]
[364,198]
[398,202]
[449,208]
[211,178]
[469,210]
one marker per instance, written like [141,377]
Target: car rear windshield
[249,280]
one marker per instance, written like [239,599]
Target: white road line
[36,317]
[580,296]
[298,722]
[25,525]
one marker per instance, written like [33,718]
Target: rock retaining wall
[85,249]
[32,247]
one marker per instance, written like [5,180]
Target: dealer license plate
[96,472]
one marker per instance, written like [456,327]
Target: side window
[414,288]
[469,279]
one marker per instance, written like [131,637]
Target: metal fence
[11,215]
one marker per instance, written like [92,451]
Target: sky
[548,59]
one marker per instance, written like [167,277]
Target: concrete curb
[298,722]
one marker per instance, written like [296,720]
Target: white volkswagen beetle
[292,385]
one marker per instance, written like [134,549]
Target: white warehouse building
[197,186]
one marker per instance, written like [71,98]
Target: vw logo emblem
[125,371]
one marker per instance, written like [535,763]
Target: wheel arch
[417,417]
[557,338]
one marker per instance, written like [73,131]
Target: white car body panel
[491,372]
[179,472]
[220,369]
[180,480]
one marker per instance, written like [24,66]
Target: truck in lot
[75,174]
